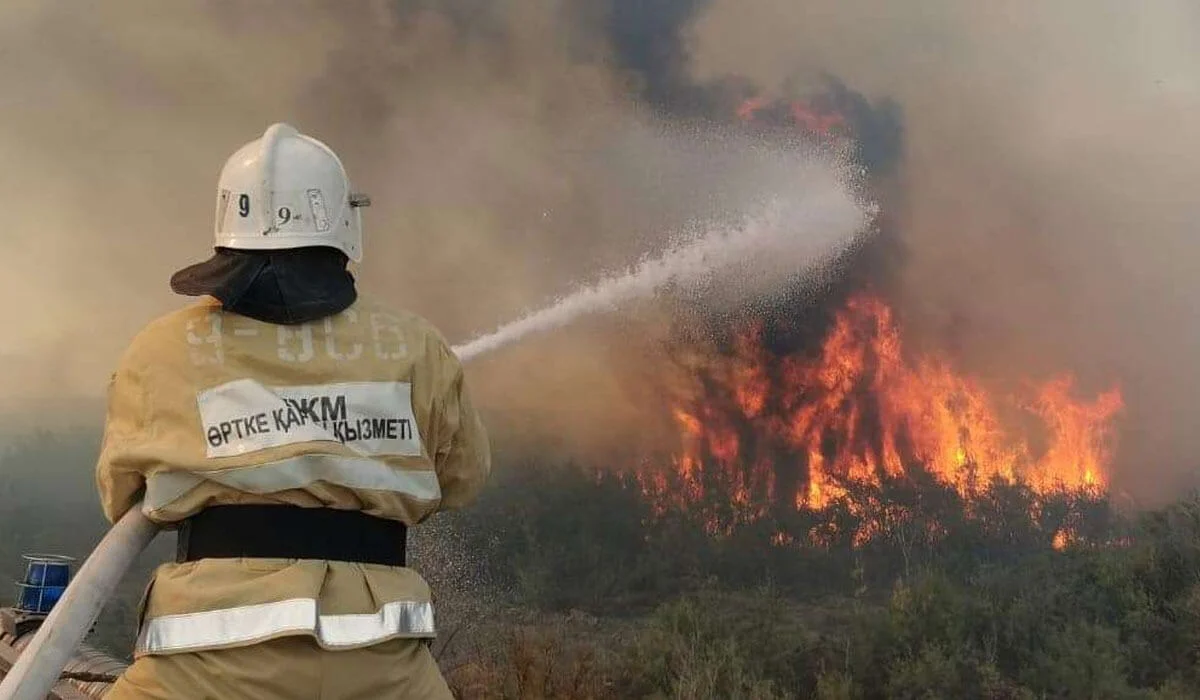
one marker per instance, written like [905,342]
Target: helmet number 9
[244,205]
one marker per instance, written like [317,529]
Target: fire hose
[41,662]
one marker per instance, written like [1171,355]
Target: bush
[722,646]
[948,597]
[543,663]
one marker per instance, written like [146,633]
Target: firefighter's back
[345,412]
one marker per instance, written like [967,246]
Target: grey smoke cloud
[1050,154]
[503,155]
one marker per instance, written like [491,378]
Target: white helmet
[287,190]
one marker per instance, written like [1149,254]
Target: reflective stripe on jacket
[365,410]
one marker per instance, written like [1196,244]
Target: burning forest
[785,413]
[777,430]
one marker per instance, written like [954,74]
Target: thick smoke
[1047,213]
[1041,204]
[500,142]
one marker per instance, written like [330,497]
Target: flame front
[860,409]
[812,118]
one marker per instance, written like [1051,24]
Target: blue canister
[46,577]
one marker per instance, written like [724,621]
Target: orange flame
[748,108]
[814,121]
[804,116]
[860,409]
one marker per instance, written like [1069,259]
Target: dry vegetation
[952,597]
[584,595]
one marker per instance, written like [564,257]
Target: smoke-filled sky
[512,148]
[1051,151]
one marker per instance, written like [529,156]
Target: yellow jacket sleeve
[463,459]
[119,477]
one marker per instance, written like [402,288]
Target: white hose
[58,638]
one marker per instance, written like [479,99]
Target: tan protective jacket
[364,410]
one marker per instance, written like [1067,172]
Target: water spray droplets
[785,237]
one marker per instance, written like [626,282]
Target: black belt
[291,532]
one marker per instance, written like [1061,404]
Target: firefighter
[291,430]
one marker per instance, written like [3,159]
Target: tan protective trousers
[288,667]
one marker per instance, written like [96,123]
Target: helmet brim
[226,275]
